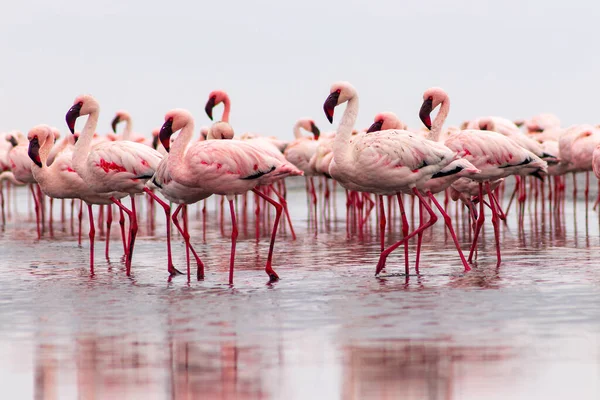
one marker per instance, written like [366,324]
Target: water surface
[328,329]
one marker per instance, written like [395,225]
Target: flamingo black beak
[329,106]
[210,104]
[425,112]
[114,123]
[72,116]
[34,152]
[315,131]
[12,141]
[155,142]
[376,127]
[165,134]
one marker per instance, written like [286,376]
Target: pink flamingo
[182,195]
[386,162]
[438,183]
[20,165]
[59,180]
[124,116]
[111,166]
[7,142]
[493,154]
[269,146]
[225,167]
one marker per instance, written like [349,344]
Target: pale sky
[277,59]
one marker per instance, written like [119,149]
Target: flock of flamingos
[467,164]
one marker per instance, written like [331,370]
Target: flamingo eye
[380,121]
[80,103]
[430,98]
[338,91]
[170,119]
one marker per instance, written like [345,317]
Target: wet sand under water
[328,329]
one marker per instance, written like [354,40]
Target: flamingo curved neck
[297,132]
[45,150]
[84,143]
[344,132]
[438,122]
[179,147]
[227,105]
[128,129]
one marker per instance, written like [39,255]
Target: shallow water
[328,329]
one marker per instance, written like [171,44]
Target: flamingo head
[309,125]
[121,115]
[56,133]
[339,93]
[432,98]
[220,131]
[83,105]
[486,124]
[174,121]
[37,136]
[215,98]
[13,140]
[386,120]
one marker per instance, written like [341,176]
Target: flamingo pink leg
[2,202]
[122,224]
[80,216]
[283,203]
[186,237]
[278,210]
[512,197]
[72,216]
[432,220]
[167,208]
[204,220]
[37,211]
[51,218]
[479,223]
[419,238]
[234,235]
[404,231]
[92,237]
[132,230]
[448,222]
[382,222]
[495,223]
[109,219]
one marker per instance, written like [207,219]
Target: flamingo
[386,162]
[541,122]
[121,166]
[457,169]
[127,134]
[7,142]
[270,146]
[182,195]
[510,130]
[225,167]
[300,151]
[59,180]
[20,165]
[495,155]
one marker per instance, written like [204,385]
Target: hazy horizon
[277,60]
